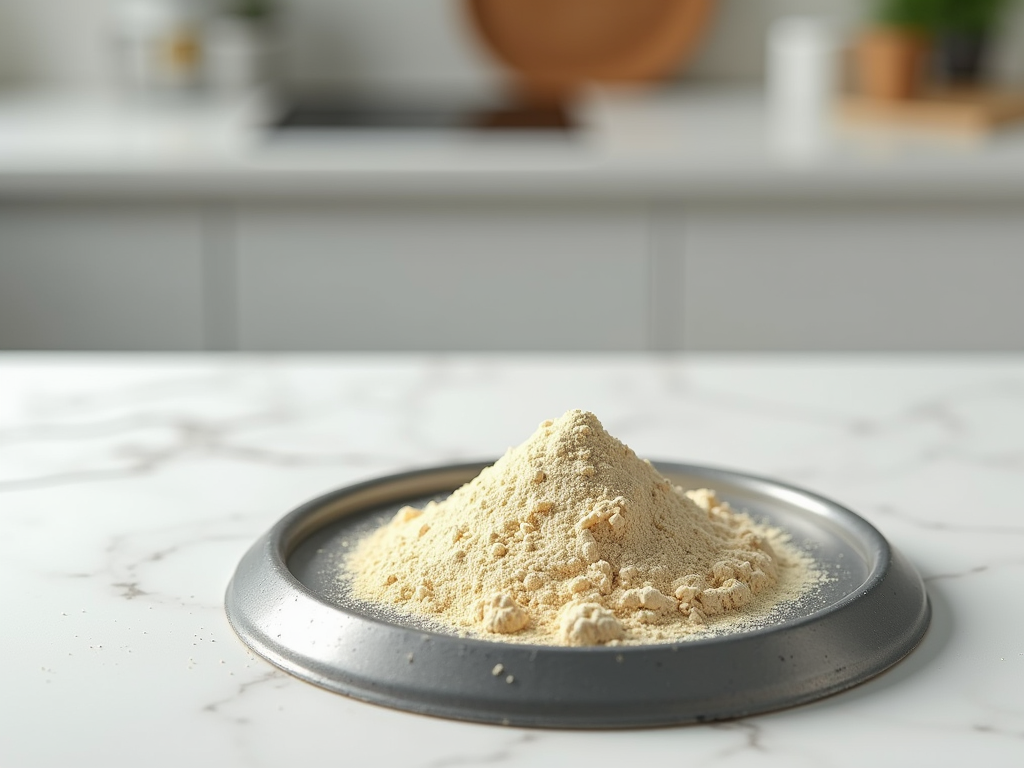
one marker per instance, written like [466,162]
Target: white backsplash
[412,43]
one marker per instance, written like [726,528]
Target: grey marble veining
[131,486]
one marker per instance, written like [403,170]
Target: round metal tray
[288,603]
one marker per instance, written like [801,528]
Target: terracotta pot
[891,63]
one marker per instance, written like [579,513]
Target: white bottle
[802,82]
[239,54]
[159,44]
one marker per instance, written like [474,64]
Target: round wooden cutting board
[554,47]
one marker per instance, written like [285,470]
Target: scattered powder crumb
[498,669]
[571,539]
[510,679]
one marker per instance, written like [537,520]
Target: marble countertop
[130,486]
[698,142]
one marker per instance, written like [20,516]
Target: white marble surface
[131,486]
[695,142]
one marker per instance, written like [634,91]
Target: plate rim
[281,540]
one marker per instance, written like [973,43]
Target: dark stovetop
[361,114]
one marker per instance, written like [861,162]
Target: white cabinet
[470,276]
[845,277]
[511,275]
[108,277]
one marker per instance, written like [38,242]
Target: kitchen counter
[702,143]
[131,486]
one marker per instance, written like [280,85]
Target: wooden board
[556,46]
[962,111]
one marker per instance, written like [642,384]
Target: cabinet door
[80,276]
[850,277]
[469,277]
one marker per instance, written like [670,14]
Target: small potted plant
[963,30]
[892,53]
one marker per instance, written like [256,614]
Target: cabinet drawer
[105,277]
[471,277]
[853,277]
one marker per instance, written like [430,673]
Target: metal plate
[287,603]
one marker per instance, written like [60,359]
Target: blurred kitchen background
[591,175]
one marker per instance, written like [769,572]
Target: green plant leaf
[934,16]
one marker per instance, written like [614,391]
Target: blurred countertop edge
[692,143]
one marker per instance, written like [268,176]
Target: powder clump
[571,539]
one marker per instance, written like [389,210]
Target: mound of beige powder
[571,539]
